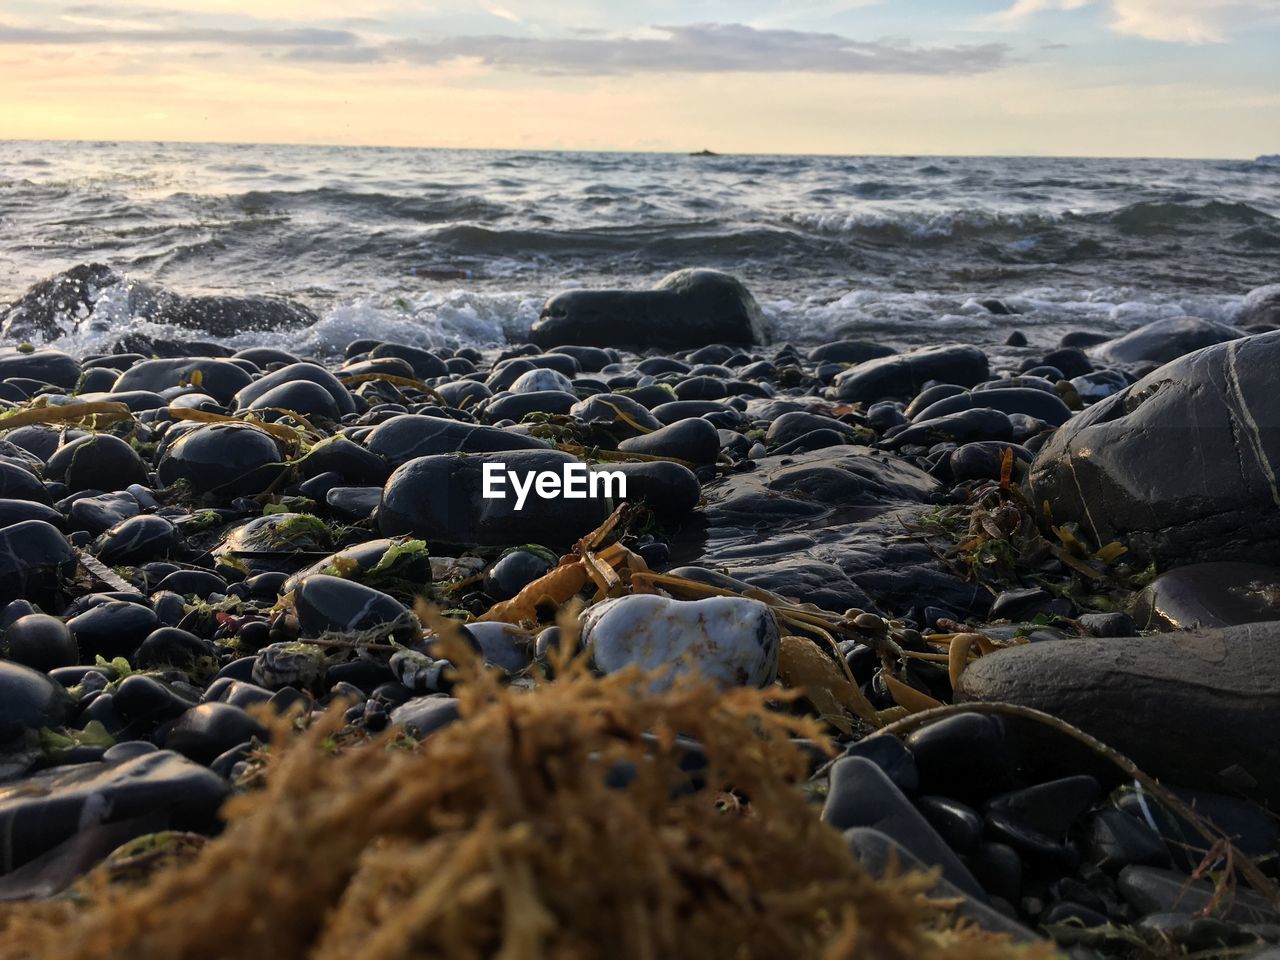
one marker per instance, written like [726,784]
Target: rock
[192,583]
[1107,624]
[540,380]
[97,515]
[229,459]
[1151,890]
[304,397]
[1260,306]
[326,605]
[517,406]
[1209,595]
[515,569]
[976,424]
[112,629]
[688,308]
[670,490]
[849,351]
[729,641]
[694,441]
[41,366]
[1164,340]
[294,373]
[425,364]
[57,304]
[1068,361]
[19,483]
[1034,820]
[502,645]
[1028,603]
[958,824]
[423,716]
[983,460]
[158,790]
[1178,466]
[354,463]
[34,557]
[299,665]
[139,540]
[901,376]
[1026,400]
[407,437]
[889,754]
[966,757]
[440,499]
[1115,840]
[882,856]
[177,649]
[273,543]
[1200,690]
[41,642]
[861,795]
[209,729]
[29,701]
[220,379]
[793,425]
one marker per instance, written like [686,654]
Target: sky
[1168,78]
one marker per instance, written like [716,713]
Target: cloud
[1174,21]
[694,48]
[705,48]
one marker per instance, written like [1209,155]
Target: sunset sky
[1197,78]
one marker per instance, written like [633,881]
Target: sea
[462,247]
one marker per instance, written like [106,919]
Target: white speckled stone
[730,641]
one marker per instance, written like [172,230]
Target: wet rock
[515,569]
[158,790]
[305,397]
[49,307]
[1034,403]
[423,716]
[849,351]
[729,641]
[1035,820]
[1178,466]
[355,464]
[966,756]
[220,379]
[1209,595]
[901,376]
[277,542]
[1164,340]
[209,729]
[409,436]
[1029,603]
[375,563]
[668,489]
[294,373]
[688,308]
[889,754]
[97,515]
[517,406]
[19,483]
[1151,890]
[41,642]
[29,700]
[112,629]
[1200,689]
[139,540]
[1115,840]
[230,459]
[326,605]
[623,413]
[502,645]
[1107,624]
[792,426]
[179,649]
[958,824]
[694,441]
[440,499]
[96,462]
[298,665]
[1260,306]
[983,460]
[193,583]
[977,424]
[425,364]
[34,557]
[861,795]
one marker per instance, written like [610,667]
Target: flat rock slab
[1200,709]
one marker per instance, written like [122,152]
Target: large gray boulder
[1199,708]
[1182,465]
[688,308]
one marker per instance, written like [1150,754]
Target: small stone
[41,642]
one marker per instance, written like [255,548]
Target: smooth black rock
[16,511]
[351,461]
[883,856]
[440,499]
[304,397]
[849,351]
[326,604]
[1046,808]
[983,460]
[517,406]
[502,645]
[172,647]
[139,540]
[687,308]
[409,436]
[220,379]
[1205,595]
[958,824]
[976,424]
[1261,306]
[100,461]
[514,570]
[198,583]
[423,716]
[694,440]
[1035,403]
[1152,890]
[19,483]
[1213,695]
[901,376]
[209,729]
[112,629]
[1107,624]
[97,515]
[1115,840]
[862,795]
[49,307]
[156,791]
[890,755]
[425,364]
[791,426]
[998,868]
[29,701]
[966,756]
[247,395]
[1028,603]
[1179,465]
[34,557]
[625,415]
[230,459]
[1164,340]
[668,489]
[41,642]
